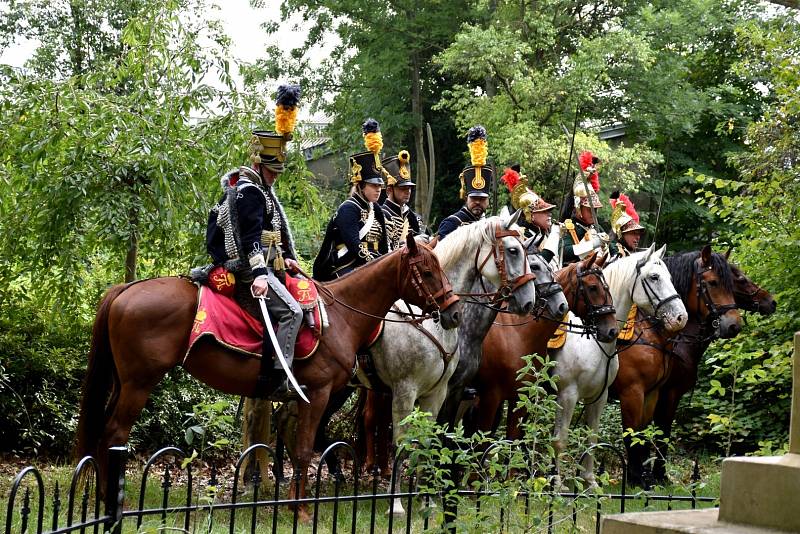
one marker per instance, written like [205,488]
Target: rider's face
[399,194]
[586,215]
[477,205]
[268,175]
[632,239]
[543,219]
[372,192]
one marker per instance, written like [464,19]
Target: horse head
[549,294]
[509,271]
[591,299]
[423,283]
[654,293]
[714,297]
[750,296]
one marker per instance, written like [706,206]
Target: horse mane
[622,269]
[451,249]
[681,268]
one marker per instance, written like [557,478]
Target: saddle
[626,333]
[220,317]
[559,337]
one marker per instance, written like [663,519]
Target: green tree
[381,66]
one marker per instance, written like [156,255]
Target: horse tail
[97,398]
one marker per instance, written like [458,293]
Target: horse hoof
[396,510]
[304,516]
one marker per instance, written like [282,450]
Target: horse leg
[514,419]
[567,398]
[383,436]
[489,403]
[308,419]
[664,415]
[321,439]
[372,405]
[256,428]
[403,399]
[632,406]
[593,413]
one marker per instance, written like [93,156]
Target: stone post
[794,423]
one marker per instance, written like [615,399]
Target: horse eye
[537,268]
[713,283]
[513,251]
[654,277]
[593,289]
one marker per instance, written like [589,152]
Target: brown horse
[142,330]
[656,369]
[509,340]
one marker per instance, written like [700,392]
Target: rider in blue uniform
[356,235]
[400,219]
[476,182]
[248,233]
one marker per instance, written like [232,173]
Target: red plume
[585,159]
[511,178]
[594,180]
[630,209]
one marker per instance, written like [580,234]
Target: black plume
[614,195]
[515,167]
[370,126]
[476,132]
[288,95]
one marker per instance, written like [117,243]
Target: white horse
[408,361]
[586,367]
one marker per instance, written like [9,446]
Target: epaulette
[570,226]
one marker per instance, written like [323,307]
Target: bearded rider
[248,233]
[538,217]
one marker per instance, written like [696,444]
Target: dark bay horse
[141,331]
[509,339]
[656,369]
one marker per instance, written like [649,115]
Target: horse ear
[728,252]
[513,220]
[504,213]
[433,241]
[411,243]
[660,252]
[530,248]
[590,259]
[601,260]
[705,255]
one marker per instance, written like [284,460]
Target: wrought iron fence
[354,504]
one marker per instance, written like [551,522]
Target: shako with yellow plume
[476,179]
[269,148]
[399,169]
[522,196]
[366,166]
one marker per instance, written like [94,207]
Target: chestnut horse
[656,368]
[142,330]
[509,340]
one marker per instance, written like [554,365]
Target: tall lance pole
[585,185]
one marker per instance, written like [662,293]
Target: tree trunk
[423,180]
[133,245]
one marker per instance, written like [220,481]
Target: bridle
[544,290]
[498,254]
[593,311]
[652,297]
[435,303]
[715,311]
